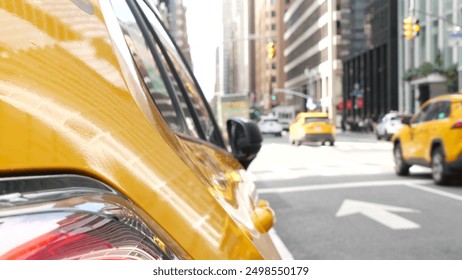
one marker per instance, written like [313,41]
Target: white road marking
[380,213]
[367,184]
[282,172]
[281,247]
[434,191]
[278,172]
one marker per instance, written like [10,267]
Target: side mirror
[245,140]
[406,120]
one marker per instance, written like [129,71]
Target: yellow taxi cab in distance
[312,127]
[109,149]
[432,138]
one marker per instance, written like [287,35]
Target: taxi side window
[146,58]
[422,114]
[438,110]
[445,110]
[192,103]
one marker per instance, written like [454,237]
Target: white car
[270,125]
[389,125]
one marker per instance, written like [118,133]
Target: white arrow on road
[379,213]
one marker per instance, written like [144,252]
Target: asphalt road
[346,203]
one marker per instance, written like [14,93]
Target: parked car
[312,127]
[270,125]
[388,125]
[432,138]
[109,149]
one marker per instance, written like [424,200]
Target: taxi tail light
[77,236]
[457,124]
[76,217]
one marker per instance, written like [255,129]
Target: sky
[204,25]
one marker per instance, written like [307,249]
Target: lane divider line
[367,184]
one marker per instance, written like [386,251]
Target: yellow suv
[433,138]
[109,149]
[312,127]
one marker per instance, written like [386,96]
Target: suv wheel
[401,167]
[439,168]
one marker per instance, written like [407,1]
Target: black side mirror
[245,140]
[406,120]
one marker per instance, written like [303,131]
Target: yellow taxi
[432,138]
[109,149]
[312,127]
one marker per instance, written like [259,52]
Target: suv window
[422,114]
[312,120]
[396,118]
[438,110]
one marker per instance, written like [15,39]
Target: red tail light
[81,236]
[457,124]
[74,222]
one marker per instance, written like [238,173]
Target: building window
[273,13]
[434,48]
[337,5]
[448,5]
[423,48]
[423,5]
[273,79]
[273,26]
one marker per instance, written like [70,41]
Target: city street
[345,202]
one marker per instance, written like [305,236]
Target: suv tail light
[457,124]
[73,217]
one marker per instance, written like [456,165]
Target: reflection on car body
[109,147]
[433,138]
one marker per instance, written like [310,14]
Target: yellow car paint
[311,126]
[65,107]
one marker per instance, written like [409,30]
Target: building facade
[236,50]
[430,64]
[313,46]
[174,13]
[370,60]
[269,71]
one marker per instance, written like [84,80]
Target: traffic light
[271,48]
[273,97]
[408,32]
[411,28]
[416,27]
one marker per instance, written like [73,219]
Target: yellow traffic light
[411,28]
[416,27]
[271,48]
[408,31]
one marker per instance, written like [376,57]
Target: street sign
[455,39]
[357,93]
